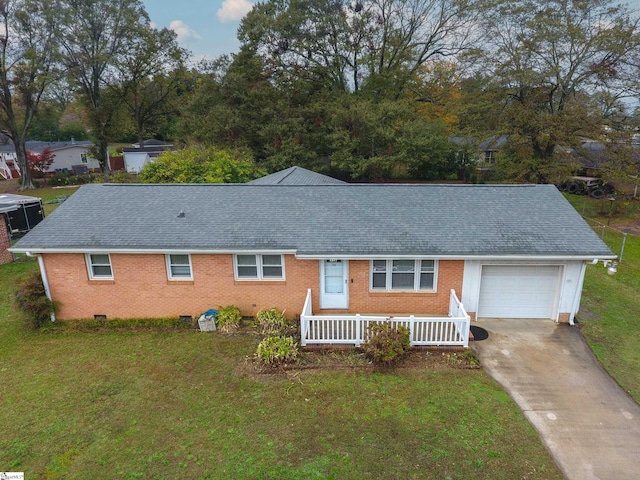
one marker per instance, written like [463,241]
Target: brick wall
[141,289]
[5,241]
[363,300]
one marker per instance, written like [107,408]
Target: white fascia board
[311,256]
[155,251]
[461,257]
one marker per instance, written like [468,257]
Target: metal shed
[28,212]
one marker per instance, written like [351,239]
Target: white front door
[334,286]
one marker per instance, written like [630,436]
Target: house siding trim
[153,251]
[560,258]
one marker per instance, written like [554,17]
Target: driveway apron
[590,425]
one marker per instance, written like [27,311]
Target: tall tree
[349,44]
[548,58]
[150,76]
[27,66]
[96,36]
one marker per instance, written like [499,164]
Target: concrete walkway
[589,424]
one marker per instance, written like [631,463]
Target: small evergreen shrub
[277,350]
[228,319]
[272,322]
[32,299]
[386,344]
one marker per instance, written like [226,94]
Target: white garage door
[525,291]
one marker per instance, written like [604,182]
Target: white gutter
[164,251]
[45,282]
[588,258]
[578,295]
[151,251]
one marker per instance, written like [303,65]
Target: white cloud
[233,10]
[184,31]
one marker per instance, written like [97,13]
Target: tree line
[359,89]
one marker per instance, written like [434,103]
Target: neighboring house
[69,156]
[325,252]
[9,168]
[137,157]
[486,151]
[489,150]
[296,176]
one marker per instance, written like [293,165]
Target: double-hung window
[403,274]
[179,267]
[99,266]
[259,267]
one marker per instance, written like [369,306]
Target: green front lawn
[611,304]
[610,311]
[153,404]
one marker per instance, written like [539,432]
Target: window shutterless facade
[259,267]
[401,274]
[179,267]
[99,266]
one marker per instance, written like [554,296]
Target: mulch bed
[354,359]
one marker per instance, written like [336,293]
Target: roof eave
[318,256]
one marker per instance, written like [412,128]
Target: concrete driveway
[589,424]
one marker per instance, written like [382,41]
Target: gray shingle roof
[332,220]
[296,176]
[38,146]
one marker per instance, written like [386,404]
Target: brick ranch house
[333,254]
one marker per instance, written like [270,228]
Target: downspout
[578,295]
[45,282]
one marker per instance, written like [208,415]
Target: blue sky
[206,27]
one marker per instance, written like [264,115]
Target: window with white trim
[99,266]
[179,267]
[401,274]
[489,156]
[259,267]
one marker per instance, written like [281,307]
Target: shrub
[386,344]
[32,299]
[59,179]
[228,319]
[272,322]
[277,350]
[199,164]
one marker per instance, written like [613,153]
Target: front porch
[332,329]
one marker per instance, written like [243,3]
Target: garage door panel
[525,291]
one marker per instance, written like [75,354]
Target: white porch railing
[5,170]
[352,329]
